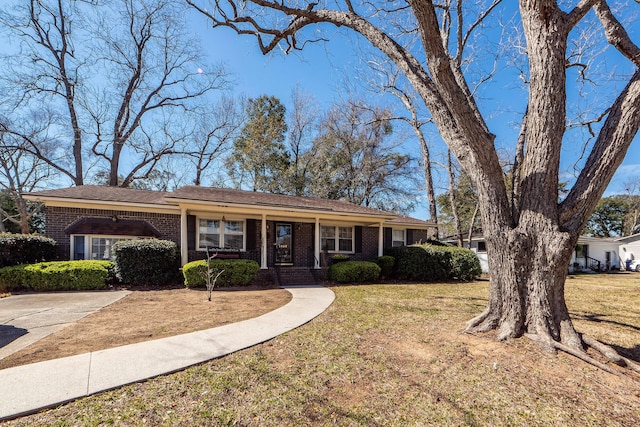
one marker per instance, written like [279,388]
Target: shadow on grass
[9,333]
[601,318]
[632,353]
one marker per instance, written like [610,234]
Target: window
[95,246]
[78,247]
[582,251]
[336,239]
[102,247]
[397,238]
[482,246]
[218,234]
[328,238]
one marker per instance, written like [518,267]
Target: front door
[284,243]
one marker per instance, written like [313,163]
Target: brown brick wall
[59,218]
[369,245]
[420,236]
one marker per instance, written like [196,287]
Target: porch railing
[593,264]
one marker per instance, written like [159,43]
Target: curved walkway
[29,388]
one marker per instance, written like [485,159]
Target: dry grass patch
[395,355]
[148,315]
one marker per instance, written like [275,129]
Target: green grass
[394,355]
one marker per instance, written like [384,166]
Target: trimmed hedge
[386,264]
[18,249]
[237,272]
[57,276]
[354,271]
[432,263]
[147,262]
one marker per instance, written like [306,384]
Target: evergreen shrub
[147,262]
[237,272]
[432,263]
[57,276]
[354,271]
[425,263]
[25,249]
[465,264]
[386,264]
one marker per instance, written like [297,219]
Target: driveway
[27,318]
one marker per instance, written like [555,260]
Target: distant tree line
[119,94]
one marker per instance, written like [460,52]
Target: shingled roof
[240,197]
[224,196]
[104,193]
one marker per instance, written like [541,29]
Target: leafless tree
[303,122]
[125,73]
[529,247]
[214,132]
[356,157]
[387,79]
[46,69]
[155,72]
[452,199]
[21,172]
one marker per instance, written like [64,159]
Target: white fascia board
[275,211]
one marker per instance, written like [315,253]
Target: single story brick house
[274,230]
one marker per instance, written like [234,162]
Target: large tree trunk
[530,236]
[528,268]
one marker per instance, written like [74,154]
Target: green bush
[432,263]
[465,264]
[237,272]
[147,262]
[354,271]
[421,263]
[56,276]
[18,249]
[386,264]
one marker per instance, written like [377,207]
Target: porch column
[263,249]
[184,244]
[381,239]
[316,244]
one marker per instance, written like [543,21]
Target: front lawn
[394,355]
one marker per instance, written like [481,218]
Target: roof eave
[185,202]
[103,204]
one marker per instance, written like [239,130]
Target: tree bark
[529,235]
[452,200]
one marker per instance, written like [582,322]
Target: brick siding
[59,218]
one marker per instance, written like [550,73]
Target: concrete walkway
[27,318]
[29,388]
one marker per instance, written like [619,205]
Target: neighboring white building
[591,253]
[478,246]
[629,248]
[596,254]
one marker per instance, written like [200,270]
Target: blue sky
[320,70]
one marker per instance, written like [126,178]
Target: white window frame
[336,238]
[393,237]
[222,233]
[88,243]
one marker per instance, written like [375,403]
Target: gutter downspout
[263,244]
[316,244]
[184,244]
